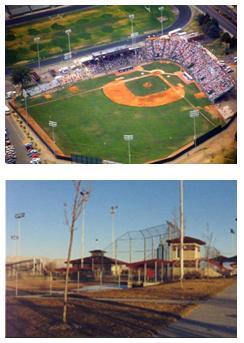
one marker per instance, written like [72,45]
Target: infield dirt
[118,92]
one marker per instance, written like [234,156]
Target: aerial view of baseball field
[153,106]
[114,83]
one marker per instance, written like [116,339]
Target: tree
[51,266]
[206,20]
[200,19]
[210,250]
[226,38]
[78,206]
[21,75]
[233,43]
[212,30]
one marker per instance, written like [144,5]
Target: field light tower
[68,32]
[85,196]
[113,211]
[161,8]
[36,40]
[132,17]
[181,231]
[194,114]
[16,237]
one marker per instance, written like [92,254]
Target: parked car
[28,146]
[36,160]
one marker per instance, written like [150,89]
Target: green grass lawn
[166,67]
[97,25]
[174,80]
[91,124]
[137,86]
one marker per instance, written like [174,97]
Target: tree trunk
[67,276]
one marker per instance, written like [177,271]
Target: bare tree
[78,205]
[210,250]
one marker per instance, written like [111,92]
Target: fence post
[50,283]
[156,271]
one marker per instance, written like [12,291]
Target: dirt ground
[73,89]
[200,95]
[101,314]
[118,92]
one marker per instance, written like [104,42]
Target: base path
[216,318]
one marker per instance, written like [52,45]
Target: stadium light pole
[85,196]
[129,138]
[113,210]
[132,17]
[194,114]
[161,8]
[68,32]
[25,96]
[36,40]
[15,238]
[19,216]
[181,232]
[232,231]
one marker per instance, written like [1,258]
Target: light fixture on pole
[132,17]
[129,138]
[113,211]
[85,196]
[181,231]
[194,114]
[68,32]
[53,124]
[161,8]
[36,40]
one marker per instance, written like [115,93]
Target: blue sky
[141,204]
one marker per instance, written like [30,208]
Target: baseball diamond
[94,114]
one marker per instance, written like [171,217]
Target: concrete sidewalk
[216,318]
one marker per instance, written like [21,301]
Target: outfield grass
[166,67]
[137,87]
[91,124]
[97,25]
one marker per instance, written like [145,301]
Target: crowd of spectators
[199,63]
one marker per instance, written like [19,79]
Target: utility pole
[85,197]
[161,19]
[181,231]
[132,17]
[36,40]
[113,212]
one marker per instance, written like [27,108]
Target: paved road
[181,21]
[217,318]
[17,139]
[223,22]
[228,11]
[43,14]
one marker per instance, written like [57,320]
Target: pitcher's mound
[147,85]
